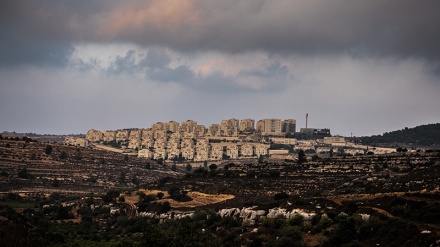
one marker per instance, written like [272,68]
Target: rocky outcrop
[172,215]
[251,216]
[277,212]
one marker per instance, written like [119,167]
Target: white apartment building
[281,140]
[232,151]
[135,139]
[173,146]
[76,141]
[187,148]
[188,126]
[200,131]
[109,136]
[272,126]
[202,150]
[159,126]
[122,135]
[247,150]
[214,130]
[247,124]
[229,127]
[261,149]
[172,126]
[216,152]
[94,135]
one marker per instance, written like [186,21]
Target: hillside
[420,136]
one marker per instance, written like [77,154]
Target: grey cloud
[218,83]
[156,65]
[125,64]
[273,70]
[392,28]
[43,32]
[85,66]
[182,74]
[30,52]
[156,58]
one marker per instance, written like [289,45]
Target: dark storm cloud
[395,27]
[45,31]
[28,36]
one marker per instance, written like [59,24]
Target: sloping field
[198,199]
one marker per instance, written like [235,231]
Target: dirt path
[379,210]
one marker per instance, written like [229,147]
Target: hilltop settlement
[231,184]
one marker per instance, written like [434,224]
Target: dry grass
[198,199]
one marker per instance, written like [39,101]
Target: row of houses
[202,150]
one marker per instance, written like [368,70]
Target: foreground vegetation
[70,221]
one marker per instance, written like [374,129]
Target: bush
[48,149]
[63,155]
[24,174]
[274,174]
[212,167]
[159,195]
[280,196]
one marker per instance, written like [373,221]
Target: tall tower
[307,119]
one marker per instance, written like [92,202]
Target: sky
[357,67]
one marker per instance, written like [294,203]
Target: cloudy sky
[361,67]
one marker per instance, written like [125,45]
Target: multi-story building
[247,124]
[260,126]
[173,146]
[76,141]
[187,148]
[94,135]
[134,141]
[122,135]
[232,151]
[216,152]
[202,150]
[247,150]
[159,126]
[229,127]
[272,126]
[188,126]
[200,131]
[159,134]
[289,126]
[109,136]
[160,148]
[261,149]
[214,130]
[172,126]
[147,134]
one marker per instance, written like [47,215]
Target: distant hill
[420,136]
